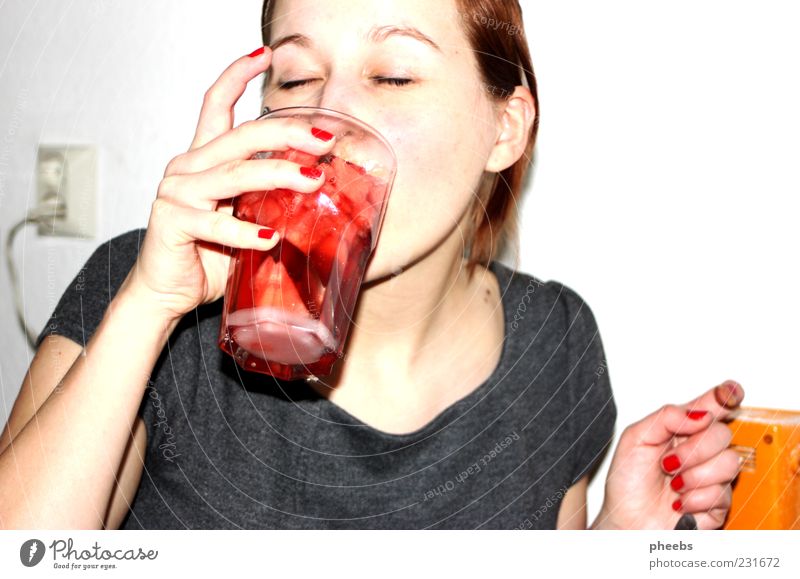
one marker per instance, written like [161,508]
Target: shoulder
[111,261]
[530,298]
[127,244]
[87,296]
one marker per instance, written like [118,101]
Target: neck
[398,317]
[409,327]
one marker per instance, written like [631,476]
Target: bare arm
[572,512]
[61,469]
[50,364]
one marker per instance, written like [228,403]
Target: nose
[340,94]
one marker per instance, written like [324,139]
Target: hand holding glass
[287,311]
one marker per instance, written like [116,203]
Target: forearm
[60,469]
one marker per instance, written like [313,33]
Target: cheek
[441,155]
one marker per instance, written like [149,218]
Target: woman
[470,395]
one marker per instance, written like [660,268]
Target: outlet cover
[68,173]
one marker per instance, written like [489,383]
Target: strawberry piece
[272,286]
[301,221]
[264,208]
[249,262]
[323,255]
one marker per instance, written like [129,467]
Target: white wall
[664,193]
[126,76]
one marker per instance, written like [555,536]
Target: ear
[514,128]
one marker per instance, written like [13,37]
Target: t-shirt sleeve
[593,412]
[86,298]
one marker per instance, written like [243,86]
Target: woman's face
[406,68]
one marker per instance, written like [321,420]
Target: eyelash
[289,85]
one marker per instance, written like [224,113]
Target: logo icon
[31,552]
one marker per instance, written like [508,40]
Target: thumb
[720,401]
[667,422]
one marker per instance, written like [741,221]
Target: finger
[203,190]
[187,224]
[216,114]
[719,401]
[661,426]
[697,449]
[252,137]
[704,499]
[720,469]
[711,520]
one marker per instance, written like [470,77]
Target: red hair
[495,32]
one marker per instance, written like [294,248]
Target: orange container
[766,494]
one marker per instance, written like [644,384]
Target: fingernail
[696,414]
[671,463]
[729,394]
[257,52]
[321,135]
[266,233]
[677,505]
[310,172]
[677,483]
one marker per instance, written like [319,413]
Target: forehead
[327,21]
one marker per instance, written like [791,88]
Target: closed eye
[290,84]
[392,81]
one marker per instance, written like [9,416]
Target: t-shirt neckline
[503,275]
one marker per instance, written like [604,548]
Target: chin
[384,265]
[396,252]
[389,261]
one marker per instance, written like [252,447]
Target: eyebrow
[376,34]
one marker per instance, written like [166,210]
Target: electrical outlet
[67,175]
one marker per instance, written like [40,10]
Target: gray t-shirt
[233,449]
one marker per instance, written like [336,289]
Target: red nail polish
[677,505]
[257,52]
[671,463]
[266,233]
[696,414]
[321,135]
[310,172]
[677,483]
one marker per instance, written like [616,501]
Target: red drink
[287,311]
